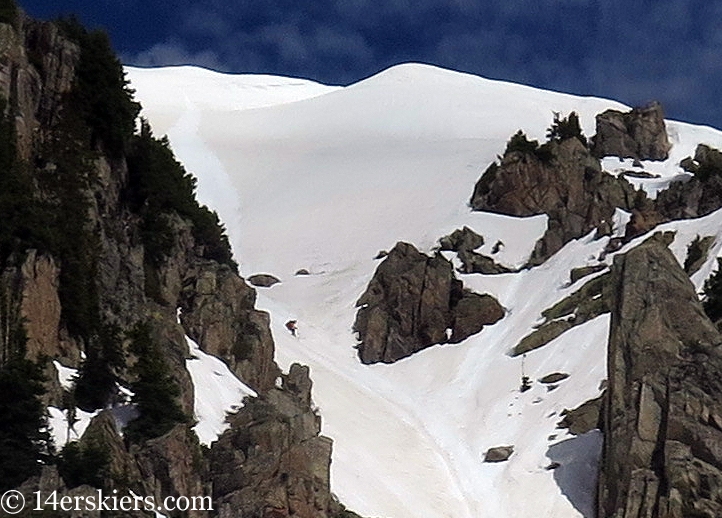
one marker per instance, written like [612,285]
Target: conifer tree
[155,391]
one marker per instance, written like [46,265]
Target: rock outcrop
[414,301]
[219,314]
[273,462]
[461,239]
[662,452]
[699,195]
[136,265]
[640,134]
[566,183]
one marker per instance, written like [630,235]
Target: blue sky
[632,51]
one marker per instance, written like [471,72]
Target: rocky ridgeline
[414,301]
[566,183]
[564,179]
[272,462]
[663,418]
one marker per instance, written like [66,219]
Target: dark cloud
[669,50]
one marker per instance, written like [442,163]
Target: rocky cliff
[662,421]
[639,134]
[414,301]
[103,246]
[560,179]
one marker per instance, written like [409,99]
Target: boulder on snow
[411,302]
[639,134]
[461,239]
[554,377]
[302,271]
[263,280]
[498,454]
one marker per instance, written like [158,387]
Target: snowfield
[322,178]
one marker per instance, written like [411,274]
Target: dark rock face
[219,314]
[580,273]
[639,134]
[463,239]
[411,302]
[569,187]
[474,262]
[585,418]
[472,313]
[699,195]
[663,440]
[273,462]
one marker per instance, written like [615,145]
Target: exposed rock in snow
[554,377]
[640,134]
[583,271]
[584,418]
[498,453]
[461,239]
[411,301]
[568,185]
[263,280]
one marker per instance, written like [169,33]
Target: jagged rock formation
[273,462]
[464,242]
[566,183]
[663,430]
[411,302]
[698,196]
[640,134]
[219,314]
[111,293]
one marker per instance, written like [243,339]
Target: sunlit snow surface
[308,176]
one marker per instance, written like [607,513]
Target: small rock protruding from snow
[498,453]
[263,280]
[554,377]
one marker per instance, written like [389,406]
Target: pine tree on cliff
[156,392]
[566,128]
[24,439]
[712,301]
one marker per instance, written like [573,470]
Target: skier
[291,326]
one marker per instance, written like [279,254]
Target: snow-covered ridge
[324,183]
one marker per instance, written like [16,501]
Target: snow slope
[322,178]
